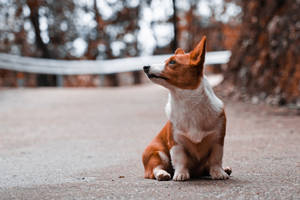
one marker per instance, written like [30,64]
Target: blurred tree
[265,61]
[12,36]
[116,36]
[174,43]
[48,20]
[34,5]
[210,18]
[106,29]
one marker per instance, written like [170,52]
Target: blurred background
[262,35]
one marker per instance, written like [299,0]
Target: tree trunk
[92,52]
[265,61]
[174,21]
[42,79]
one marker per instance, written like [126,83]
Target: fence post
[59,80]
[20,79]
[102,79]
[136,77]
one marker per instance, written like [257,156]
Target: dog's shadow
[207,181]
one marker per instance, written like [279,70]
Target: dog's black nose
[146,68]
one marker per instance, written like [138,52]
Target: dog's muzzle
[150,75]
[146,69]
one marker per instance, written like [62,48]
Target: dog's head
[182,70]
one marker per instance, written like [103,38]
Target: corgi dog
[191,142]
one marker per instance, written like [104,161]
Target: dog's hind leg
[160,174]
[156,164]
[228,170]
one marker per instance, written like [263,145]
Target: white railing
[101,67]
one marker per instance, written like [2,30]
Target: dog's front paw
[181,175]
[217,173]
[162,175]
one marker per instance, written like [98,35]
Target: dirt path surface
[87,144]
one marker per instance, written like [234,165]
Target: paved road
[87,144]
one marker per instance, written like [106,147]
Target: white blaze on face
[157,68]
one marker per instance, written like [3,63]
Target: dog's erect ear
[197,55]
[179,51]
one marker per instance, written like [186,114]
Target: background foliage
[262,34]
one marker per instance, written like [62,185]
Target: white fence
[101,67]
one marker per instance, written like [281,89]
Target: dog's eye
[172,62]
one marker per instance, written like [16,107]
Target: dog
[191,142]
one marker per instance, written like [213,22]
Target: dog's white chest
[192,126]
[194,113]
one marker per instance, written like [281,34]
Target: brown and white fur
[191,143]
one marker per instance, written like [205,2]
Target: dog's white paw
[181,175]
[228,170]
[217,173]
[162,175]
